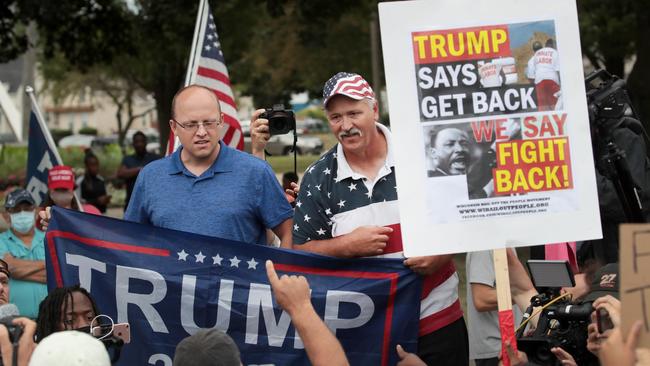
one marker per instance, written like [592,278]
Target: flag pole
[195,41]
[46,132]
[199,26]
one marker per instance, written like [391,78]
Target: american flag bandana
[348,84]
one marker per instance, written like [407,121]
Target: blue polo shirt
[237,198]
[27,295]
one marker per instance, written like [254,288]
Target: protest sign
[489,118]
[635,279]
[169,284]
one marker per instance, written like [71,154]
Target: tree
[615,32]
[115,80]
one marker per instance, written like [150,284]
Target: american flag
[207,67]
[348,84]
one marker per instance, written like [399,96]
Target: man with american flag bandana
[347,207]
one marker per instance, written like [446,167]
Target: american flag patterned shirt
[334,200]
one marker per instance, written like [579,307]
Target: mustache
[351,132]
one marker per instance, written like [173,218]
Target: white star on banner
[311,168]
[234,262]
[199,257]
[216,44]
[252,264]
[330,223]
[327,171]
[298,204]
[217,259]
[210,36]
[182,256]
[296,227]
[369,194]
[207,48]
[307,218]
[321,231]
[318,187]
[329,194]
[308,193]
[341,203]
[352,187]
[212,26]
[328,211]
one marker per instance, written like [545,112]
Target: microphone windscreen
[8,310]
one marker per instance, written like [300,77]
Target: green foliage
[13,160]
[13,38]
[88,131]
[58,134]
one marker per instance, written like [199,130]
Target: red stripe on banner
[213,74]
[55,259]
[357,274]
[507,328]
[108,245]
[440,319]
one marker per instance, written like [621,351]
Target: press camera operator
[619,143]
[15,333]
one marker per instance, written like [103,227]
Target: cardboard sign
[489,120]
[635,278]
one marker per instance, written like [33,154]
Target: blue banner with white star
[168,284]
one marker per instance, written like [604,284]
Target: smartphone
[120,330]
[603,321]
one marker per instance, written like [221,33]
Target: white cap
[70,348]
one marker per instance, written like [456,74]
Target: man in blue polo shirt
[206,187]
[22,247]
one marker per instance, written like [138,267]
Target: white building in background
[96,110]
[85,109]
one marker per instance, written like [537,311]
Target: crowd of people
[346,206]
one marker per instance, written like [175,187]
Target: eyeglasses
[193,126]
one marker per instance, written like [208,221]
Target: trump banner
[490,116]
[169,284]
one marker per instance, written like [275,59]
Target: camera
[561,322]
[607,100]
[281,121]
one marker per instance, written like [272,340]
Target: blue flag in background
[168,284]
[41,156]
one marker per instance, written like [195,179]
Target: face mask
[63,199]
[22,221]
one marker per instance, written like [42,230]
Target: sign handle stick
[504,302]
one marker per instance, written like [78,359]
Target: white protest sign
[489,119]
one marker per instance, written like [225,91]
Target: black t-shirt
[132,161]
[91,189]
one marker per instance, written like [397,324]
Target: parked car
[83,141]
[282,144]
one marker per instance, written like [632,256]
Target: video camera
[281,121]
[610,108]
[561,323]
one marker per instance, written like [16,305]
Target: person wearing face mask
[61,184]
[22,247]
